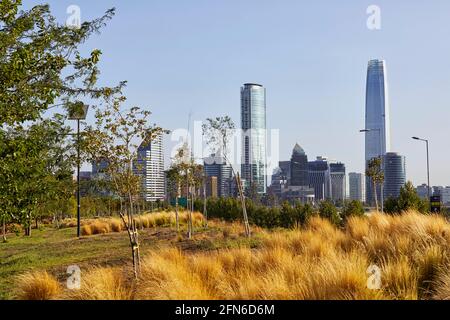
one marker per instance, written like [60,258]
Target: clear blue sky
[311,56]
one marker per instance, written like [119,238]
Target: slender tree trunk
[177,219]
[36,223]
[244,208]
[205,212]
[376,196]
[4,229]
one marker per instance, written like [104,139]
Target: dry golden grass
[317,262]
[151,220]
[37,285]
[102,284]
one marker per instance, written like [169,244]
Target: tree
[35,167]
[329,211]
[115,139]
[41,67]
[218,133]
[352,208]
[407,200]
[174,178]
[375,173]
[40,62]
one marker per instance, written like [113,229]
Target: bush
[37,285]
[328,210]
[352,209]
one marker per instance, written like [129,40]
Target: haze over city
[312,60]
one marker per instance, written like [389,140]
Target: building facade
[394,174]
[299,167]
[377,117]
[338,182]
[150,167]
[253,124]
[357,186]
[216,166]
[320,178]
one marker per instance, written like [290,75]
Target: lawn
[54,250]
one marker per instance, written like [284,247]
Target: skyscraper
[394,174]
[338,181]
[299,167]
[253,121]
[357,185]
[377,116]
[320,178]
[150,166]
[216,166]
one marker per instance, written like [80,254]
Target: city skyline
[183,75]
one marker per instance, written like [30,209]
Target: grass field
[54,250]
[317,262]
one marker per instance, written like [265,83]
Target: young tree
[115,139]
[352,208]
[218,133]
[375,173]
[175,179]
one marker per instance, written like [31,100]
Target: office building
[394,174]
[150,166]
[357,186]
[338,182]
[216,166]
[253,123]
[320,178]
[377,117]
[299,167]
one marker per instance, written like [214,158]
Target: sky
[181,57]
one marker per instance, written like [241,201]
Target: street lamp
[78,111]
[382,162]
[428,164]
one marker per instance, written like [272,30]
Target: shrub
[37,285]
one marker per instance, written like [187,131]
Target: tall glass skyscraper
[378,138]
[395,174]
[253,122]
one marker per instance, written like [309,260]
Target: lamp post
[78,111]
[428,164]
[382,162]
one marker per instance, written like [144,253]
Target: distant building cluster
[300,178]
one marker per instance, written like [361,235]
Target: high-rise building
[422,191]
[285,167]
[394,174]
[320,178]
[299,167]
[150,166]
[357,185]
[216,166]
[377,117]
[253,122]
[338,181]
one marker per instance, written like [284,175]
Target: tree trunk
[177,219]
[36,223]
[4,229]
[205,213]
[244,208]
[376,195]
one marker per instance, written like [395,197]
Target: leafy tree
[329,211]
[41,67]
[375,173]
[218,133]
[115,139]
[35,168]
[352,208]
[407,200]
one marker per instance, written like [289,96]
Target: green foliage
[328,210]
[408,200]
[352,208]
